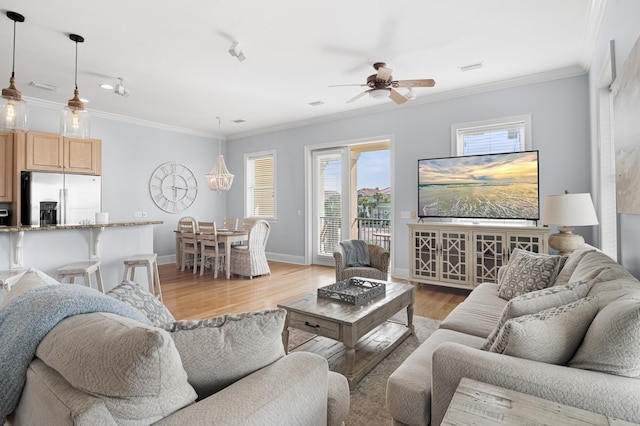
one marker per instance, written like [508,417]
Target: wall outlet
[137,214]
[405,215]
[144,214]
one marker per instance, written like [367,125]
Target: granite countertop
[85,226]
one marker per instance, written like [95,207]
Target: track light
[120,89]
[236,50]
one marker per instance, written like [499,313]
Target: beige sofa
[583,351]
[99,368]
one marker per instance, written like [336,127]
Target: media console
[465,255]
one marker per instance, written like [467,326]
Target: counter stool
[82,269]
[148,261]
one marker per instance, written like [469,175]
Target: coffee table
[364,330]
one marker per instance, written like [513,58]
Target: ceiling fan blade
[384,73]
[355,98]
[344,85]
[427,82]
[397,97]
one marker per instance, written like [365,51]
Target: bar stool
[82,269]
[148,261]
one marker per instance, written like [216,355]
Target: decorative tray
[354,291]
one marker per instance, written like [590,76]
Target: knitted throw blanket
[356,253]
[30,316]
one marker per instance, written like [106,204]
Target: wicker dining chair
[250,260]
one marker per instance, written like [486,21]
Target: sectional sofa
[561,328]
[70,355]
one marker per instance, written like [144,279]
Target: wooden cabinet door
[83,156]
[6,162]
[454,257]
[490,255]
[44,152]
[424,254]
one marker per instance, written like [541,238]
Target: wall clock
[173,187]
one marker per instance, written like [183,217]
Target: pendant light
[13,109]
[219,178]
[74,119]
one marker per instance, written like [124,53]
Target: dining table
[225,236]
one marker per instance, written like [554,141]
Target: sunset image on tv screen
[496,186]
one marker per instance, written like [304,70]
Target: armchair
[378,259]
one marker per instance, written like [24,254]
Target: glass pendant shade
[75,120]
[219,178]
[13,110]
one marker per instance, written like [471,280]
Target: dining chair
[185,223]
[250,260]
[188,247]
[207,227]
[210,249]
[230,223]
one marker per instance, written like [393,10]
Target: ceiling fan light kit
[74,118]
[382,85]
[236,51]
[13,110]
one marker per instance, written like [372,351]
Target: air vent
[43,86]
[471,67]
[316,103]
[239,121]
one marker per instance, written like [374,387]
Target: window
[260,184]
[509,134]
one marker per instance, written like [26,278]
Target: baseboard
[402,273]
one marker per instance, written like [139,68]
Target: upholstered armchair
[250,260]
[378,268]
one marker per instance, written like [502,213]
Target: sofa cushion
[536,301]
[527,271]
[221,350]
[143,301]
[478,314]
[409,386]
[612,342]
[573,260]
[551,336]
[593,264]
[134,368]
[32,278]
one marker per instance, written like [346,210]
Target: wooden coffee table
[364,330]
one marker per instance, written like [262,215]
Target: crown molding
[592,28]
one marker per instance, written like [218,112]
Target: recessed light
[106,86]
[471,67]
[316,103]
[239,121]
[43,86]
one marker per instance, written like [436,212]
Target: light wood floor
[190,296]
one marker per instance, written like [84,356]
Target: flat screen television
[490,186]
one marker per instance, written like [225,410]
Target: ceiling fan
[382,85]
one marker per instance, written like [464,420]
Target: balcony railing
[375,231]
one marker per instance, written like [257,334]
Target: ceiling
[176,62]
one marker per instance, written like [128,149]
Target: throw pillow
[564,276]
[135,369]
[612,343]
[143,301]
[550,336]
[536,301]
[527,271]
[221,350]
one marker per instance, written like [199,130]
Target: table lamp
[565,211]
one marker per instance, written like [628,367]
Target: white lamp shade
[75,123]
[13,114]
[568,210]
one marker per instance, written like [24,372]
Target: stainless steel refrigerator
[59,199]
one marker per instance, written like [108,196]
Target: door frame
[308,182]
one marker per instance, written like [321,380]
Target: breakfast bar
[49,247]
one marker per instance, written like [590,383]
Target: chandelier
[219,178]
[74,118]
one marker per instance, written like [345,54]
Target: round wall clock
[173,187]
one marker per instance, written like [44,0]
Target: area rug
[368,403]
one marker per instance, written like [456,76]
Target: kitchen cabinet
[6,161]
[48,152]
[465,255]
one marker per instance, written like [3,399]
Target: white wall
[620,23]
[560,120]
[130,154]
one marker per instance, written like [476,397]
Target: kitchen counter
[48,248]
[85,226]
